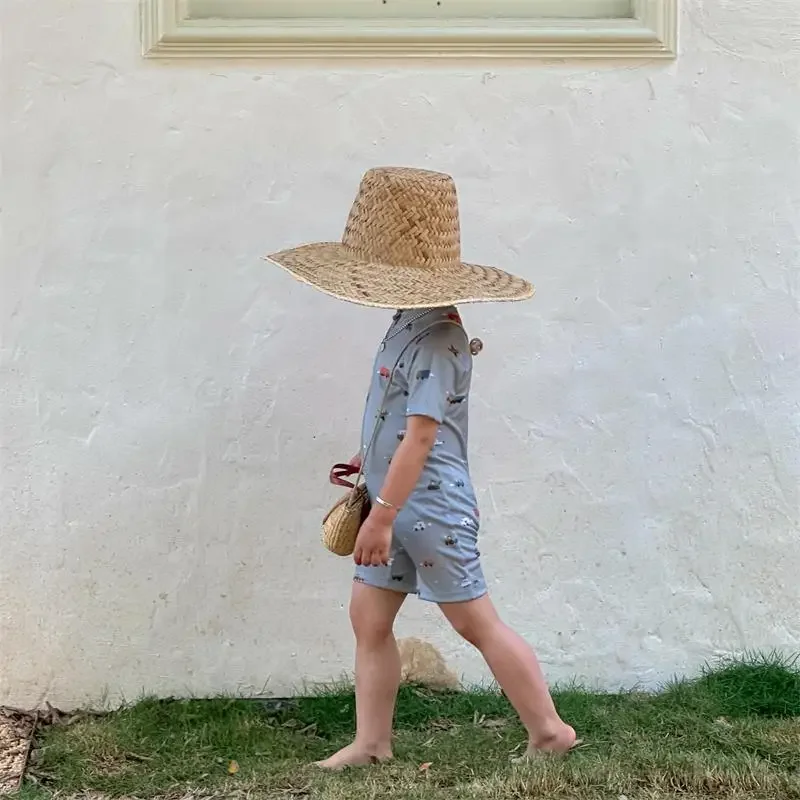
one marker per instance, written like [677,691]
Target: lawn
[733,732]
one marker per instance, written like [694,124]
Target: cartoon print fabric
[435,543]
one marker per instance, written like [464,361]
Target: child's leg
[372,613]
[517,670]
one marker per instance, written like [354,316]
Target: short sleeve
[435,373]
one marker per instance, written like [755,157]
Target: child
[401,249]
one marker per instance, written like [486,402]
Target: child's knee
[370,623]
[468,629]
[370,628]
[475,621]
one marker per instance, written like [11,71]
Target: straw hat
[401,249]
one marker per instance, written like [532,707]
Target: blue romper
[435,543]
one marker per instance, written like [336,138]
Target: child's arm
[409,460]
[375,536]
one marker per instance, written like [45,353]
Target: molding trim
[167,32]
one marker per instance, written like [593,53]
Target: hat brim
[334,269]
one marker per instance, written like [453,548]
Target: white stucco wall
[171,405]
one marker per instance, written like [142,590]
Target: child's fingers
[371,550]
[373,557]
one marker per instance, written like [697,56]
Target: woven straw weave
[342,523]
[401,249]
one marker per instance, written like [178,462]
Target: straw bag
[342,523]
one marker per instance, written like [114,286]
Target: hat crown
[405,217]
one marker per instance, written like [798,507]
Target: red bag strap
[341,471]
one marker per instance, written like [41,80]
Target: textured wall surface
[171,405]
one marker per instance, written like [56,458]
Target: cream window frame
[170,30]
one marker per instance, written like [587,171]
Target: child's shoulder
[443,333]
[444,343]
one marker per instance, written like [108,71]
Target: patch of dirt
[16,730]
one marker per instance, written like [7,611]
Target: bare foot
[557,744]
[354,755]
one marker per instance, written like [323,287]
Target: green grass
[732,733]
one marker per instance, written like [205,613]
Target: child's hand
[355,461]
[374,540]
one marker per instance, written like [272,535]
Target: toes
[342,761]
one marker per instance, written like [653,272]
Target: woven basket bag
[342,523]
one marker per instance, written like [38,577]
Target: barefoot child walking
[401,250]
